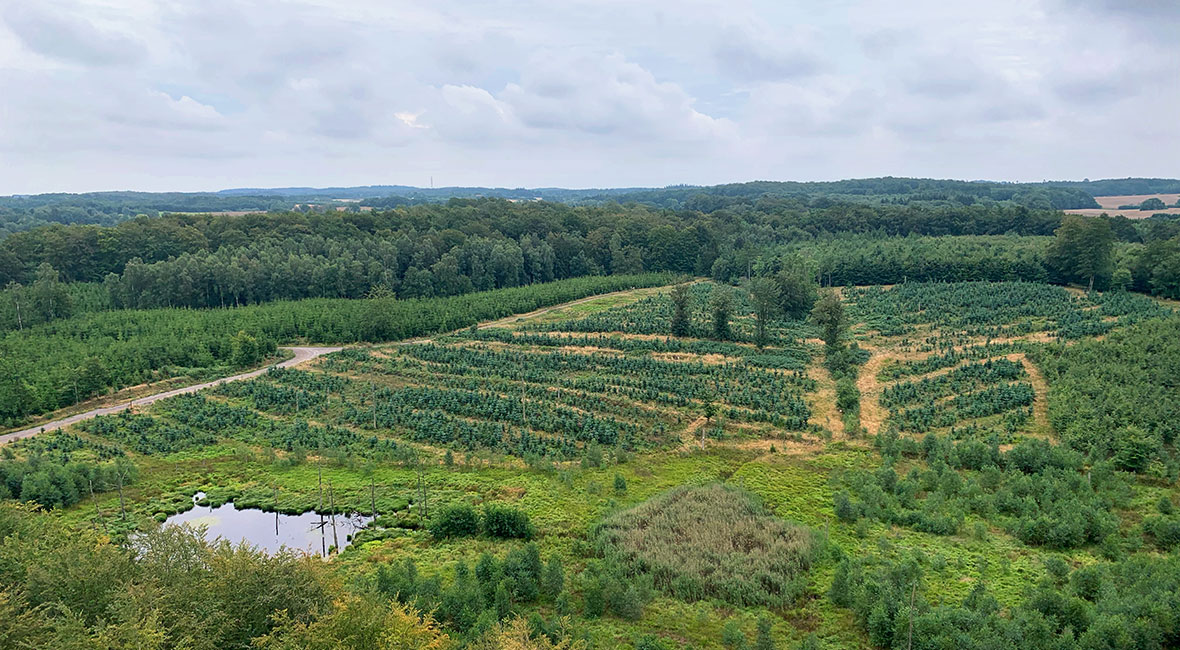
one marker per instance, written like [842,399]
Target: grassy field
[1111,204]
[576,415]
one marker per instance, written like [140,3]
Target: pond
[309,532]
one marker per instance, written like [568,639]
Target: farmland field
[957,459]
[1113,205]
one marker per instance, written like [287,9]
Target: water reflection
[270,531]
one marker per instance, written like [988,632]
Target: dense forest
[465,245]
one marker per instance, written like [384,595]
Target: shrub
[459,520]
[503,522]
[553,578]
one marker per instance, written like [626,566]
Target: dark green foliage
[494,591]
[720,310]
[502,601]
[764,296]
[762,637]
[1130,603]
[457,520]
[796,289]
[1082,251]
[650,642]
[1035,489]
[49,366]
[1164,530]
[504,522]
[620,484]
[680,305]
[732,636]
[828,314]
[553,578]
[595,599]
[847,394]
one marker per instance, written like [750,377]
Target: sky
[192,95]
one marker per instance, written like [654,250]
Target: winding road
[302,355]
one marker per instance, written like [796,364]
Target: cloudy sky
[208,94]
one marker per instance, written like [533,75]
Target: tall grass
[712,541]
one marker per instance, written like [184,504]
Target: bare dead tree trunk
[122,501]
[910,641]
[95,502]
[320,509]
[373,497]
[332,499]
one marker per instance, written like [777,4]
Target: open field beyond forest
[953,466]
[1112,206]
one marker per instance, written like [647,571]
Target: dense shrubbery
[497,521]
[1035,489]
[53,483]
[714,541]
[1120,398]
[1126,604]
[70,588]
[475,600]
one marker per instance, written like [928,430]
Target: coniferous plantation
[891,421]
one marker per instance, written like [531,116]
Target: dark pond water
[271,531]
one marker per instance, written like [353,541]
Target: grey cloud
[535,93]
[746,57]
[57,33]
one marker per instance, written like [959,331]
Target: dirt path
[823,399]
[509,320]
[302,355]
[1041,392]
[872,416]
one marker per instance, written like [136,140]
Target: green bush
[460,520]
[504,522]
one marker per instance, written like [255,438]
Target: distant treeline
[598,239]
[1123,186]
[473,245]
[19,213]
[874,191]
